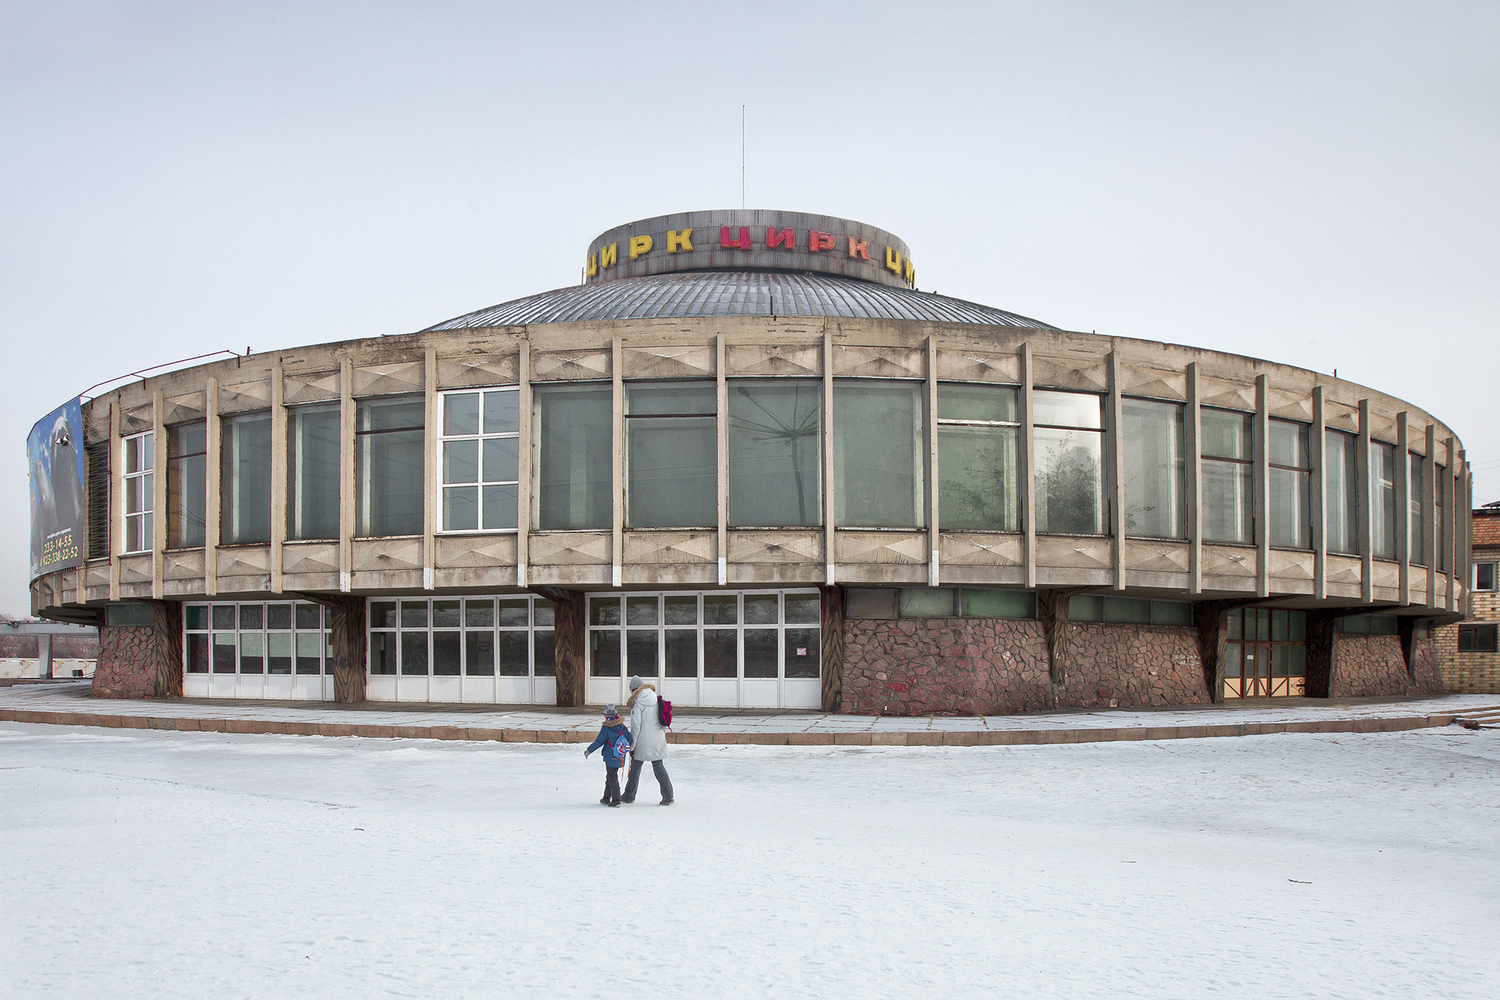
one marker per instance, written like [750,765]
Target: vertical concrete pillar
[1364,509]
[1028,474]
[523,467]
[1318,440]
[617,464]
[830,556]
[934,571]
[832,621]
[1193,424]
[721,451]
[1262,491]
[1115,447]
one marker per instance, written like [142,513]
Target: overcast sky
[1317,183]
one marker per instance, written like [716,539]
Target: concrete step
[1484,717]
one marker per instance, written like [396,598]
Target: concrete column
[346,475]
[617,463]
[934,571]
[278,473]
[213,502]
[1115,438]
[1193,424]
[1027,465]
[158,491]
[116,498]
[829,555]
[432,492]
[1262,491]
[1364,500]
[1318,436]
[721,451]
[524,451]
[1403,505]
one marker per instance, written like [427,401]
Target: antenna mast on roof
[742,156]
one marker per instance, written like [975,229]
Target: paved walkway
[67,703]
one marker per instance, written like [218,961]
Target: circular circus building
[747,458]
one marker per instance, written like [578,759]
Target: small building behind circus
[749,459]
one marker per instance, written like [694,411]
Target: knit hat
[611,712]
[635,682]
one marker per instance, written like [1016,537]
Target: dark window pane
[461,413]
[682,653]
[445,614]
[460,508]
[251,616]
[720,609]
[640,648]
[604,611]
[927,602]
[382,614]
[413,614]
[197,654]
[446,653]
[279,617]
[1128,611]
[224,617]
[1086,608]
[414,653]
[1291,520]
[197,618]
[1228,501]
[224,654]
[480,652]
[309,617]
[389,466]
[245,489]
[514,612]
[760,652]
[720,653]
[672,465]
[1226,434]
[802,652]
[514,655]
[640,611]
[681,610]
[1232,659]
[187,484]
[500,460]
[543,612]
[544,652]
[383,653]
[501,412]
[461,461]
[605,655]
[1287,444]
[984,603]
[977,402]
[760,609]
[479,614]
[499,507]
[803,609]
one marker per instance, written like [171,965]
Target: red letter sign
[743,243]
[819,241]
[787,238]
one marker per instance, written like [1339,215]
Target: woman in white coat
[650,741]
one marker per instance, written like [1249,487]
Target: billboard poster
[55,450]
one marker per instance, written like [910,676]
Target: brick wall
[1470,673]
[996,666]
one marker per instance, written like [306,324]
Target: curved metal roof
[734,293]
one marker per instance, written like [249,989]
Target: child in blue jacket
[616,741]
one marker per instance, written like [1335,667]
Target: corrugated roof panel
[734,293]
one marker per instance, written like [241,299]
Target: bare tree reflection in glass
[775,452]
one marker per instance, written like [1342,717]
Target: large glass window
[1383,500]
[1440,523]
[1416,502]
[313,471]
[978,467]
[140,479]
[187,484]
[1228,500]
[1069,458]
[388,461]
[775,453]
[671,455]
[574,467]
[1479,638]
[1154,470]
[481,441]
[471,636]
[1485,576]
[274,638]
[713,636]
[246,479]
[1340,474]
[1290,475]
[877,454]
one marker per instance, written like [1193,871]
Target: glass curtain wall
[388,464]
[671,455]
[1154,469]
[276,638]
[1289,485]
[312,471]
[140,489]
[1340,476]
[1383,500]
[978,457]
[187,484]
[1416,524]
[775,452]
[245,468]
[1228,501]
[1068,430]
[877,454]
[481,456]
[574,465]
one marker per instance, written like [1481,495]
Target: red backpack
[664,712]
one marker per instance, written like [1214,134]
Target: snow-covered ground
[160,864]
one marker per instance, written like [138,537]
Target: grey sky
[1314,183]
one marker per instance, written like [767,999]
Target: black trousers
[611,784]
[659,768]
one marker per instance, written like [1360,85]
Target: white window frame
[139,526]
[1494,577]
[440,487]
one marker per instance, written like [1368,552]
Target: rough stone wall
[997,666]
[1372,665]
[127,662]
[1470,673]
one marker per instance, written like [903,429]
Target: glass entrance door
[1266,654]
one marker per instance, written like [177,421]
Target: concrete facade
[1475,671]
